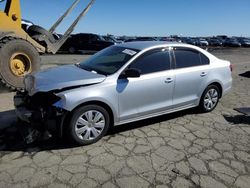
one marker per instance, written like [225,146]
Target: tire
[25,27]
[15,52]
[84,129]
[71,50]
[37,30]
[210,98]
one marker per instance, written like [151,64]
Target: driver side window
[152,61]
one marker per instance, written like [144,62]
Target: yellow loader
[20,47]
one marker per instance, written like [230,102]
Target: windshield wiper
[99,72]
[83,67]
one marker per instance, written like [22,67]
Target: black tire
[25,27]
[72,50]
[38,30]
[10,46]
[209,98]
[82,137]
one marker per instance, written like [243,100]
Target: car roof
[142,45]
[146,45]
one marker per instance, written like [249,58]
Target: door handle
[203,74]
[168,80]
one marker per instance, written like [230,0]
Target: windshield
[109,60]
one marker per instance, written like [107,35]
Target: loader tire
[35,30]
[18,58]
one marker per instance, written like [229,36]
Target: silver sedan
[121,84]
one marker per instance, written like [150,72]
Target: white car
[202,42]
[121,84]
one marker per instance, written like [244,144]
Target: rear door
[191,73]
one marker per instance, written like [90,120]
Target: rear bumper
[227,87]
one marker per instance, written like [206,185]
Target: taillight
[231,67]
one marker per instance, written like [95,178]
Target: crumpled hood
[59,78]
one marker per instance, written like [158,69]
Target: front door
[152,92]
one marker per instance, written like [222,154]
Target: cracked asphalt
[184,149]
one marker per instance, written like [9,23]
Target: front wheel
[88,124]
[209,98]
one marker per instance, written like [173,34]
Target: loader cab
[12,9]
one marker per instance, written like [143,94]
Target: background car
[215,42]
[245,42]
[141,39]
[86,43]
[231,42]
[121,84]
[188,40]
[111,38]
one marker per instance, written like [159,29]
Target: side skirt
[155,114]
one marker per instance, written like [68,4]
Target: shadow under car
[12,136]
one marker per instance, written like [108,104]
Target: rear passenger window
[188,58]
[204,59]
[153,61]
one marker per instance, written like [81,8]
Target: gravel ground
[184,149]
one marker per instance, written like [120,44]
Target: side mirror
[132,73]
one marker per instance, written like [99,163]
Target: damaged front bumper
[38,111]
[21,111]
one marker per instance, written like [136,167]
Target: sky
[147,17]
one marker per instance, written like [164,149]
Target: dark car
[85,42]
[189,41]
[231,42]
[245,42]
[169,39]
[111,38]
[141,39]
[215,42]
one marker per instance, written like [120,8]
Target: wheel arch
[219,87]
[200,101]
[216,83]
[67,116]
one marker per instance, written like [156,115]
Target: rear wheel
[210,98]
[18,58]
[88,124]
